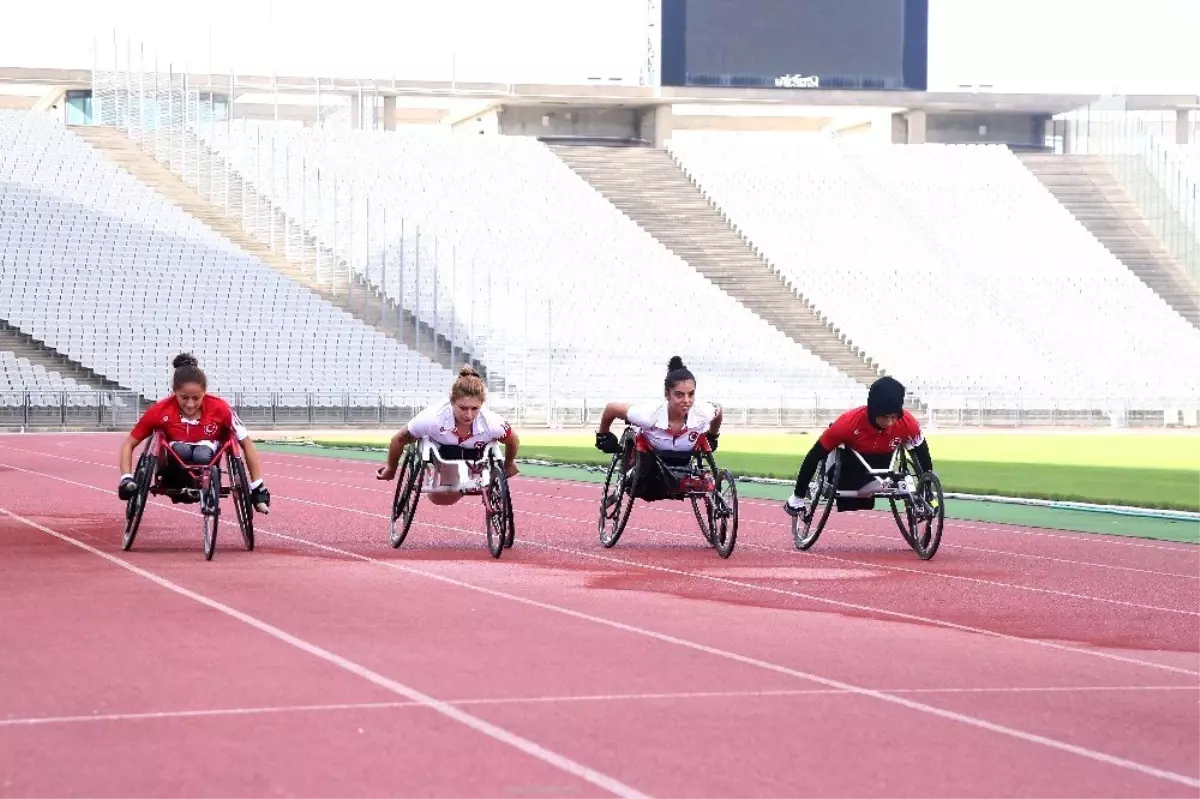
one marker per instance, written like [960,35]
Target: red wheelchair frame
[209,487]
[700,481]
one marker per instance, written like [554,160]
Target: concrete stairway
[1086,186]
[23,345]
[649,187]
[338,287]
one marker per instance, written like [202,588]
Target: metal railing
[119,410]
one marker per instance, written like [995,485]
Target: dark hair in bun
[187,370]
[676,373]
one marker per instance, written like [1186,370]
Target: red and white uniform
[855,430]
[651,422]
[217,420]
[437,424]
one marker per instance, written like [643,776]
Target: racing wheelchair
[421,470]
[693,476]
[901,484]
[224,476]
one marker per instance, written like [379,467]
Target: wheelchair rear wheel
[616,501]
[924,515]
[408,491]
[723,513]
[240,491]
[498,504]
[143,475]
[823,488]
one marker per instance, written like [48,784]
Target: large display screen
[805,44]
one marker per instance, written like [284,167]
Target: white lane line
[492,731]
[29,721]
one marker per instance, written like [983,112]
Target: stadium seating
[45,387]
[101,268]
[953,266]
[518,255]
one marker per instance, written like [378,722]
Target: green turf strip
[999,513]
[1146,471]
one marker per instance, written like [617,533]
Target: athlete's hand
[712,440]
[128,488]
[384,473]
[608,443]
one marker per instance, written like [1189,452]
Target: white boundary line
[492,731]
[565,764]
[679,572]
[29,721]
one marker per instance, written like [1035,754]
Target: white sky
[1086,46]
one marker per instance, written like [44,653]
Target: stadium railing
[120,410]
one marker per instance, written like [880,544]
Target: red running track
[1016,663]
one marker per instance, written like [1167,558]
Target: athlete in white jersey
[461,428]
[671,427]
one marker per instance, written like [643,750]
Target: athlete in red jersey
[194,423]
[874,431]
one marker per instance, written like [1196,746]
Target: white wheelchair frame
[484,476]
[466,485]
[885,485]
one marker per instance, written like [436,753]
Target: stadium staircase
[648,186]
[1086,186]
[23,345]
[354,296]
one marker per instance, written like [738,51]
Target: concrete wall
[572,121]
[969,128]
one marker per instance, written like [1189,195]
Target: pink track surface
[1017,662]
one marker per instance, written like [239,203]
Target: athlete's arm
[612,412]
[921,453]
[512,443]
[253,463]
[125,459]
[809,466]
[399,441]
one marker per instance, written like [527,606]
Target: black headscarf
[885,397]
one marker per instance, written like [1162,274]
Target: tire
[143,475]
[804,535]
[408,492]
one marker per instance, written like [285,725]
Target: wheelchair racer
[194,424]
[875,431]
[671,427]
[461,428]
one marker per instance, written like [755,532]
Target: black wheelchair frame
[718,520]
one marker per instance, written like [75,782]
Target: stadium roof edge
[597,94]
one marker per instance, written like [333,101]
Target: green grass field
[1150,471]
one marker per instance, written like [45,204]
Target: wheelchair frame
[901,484]
[419,467]
[211,489]
[719,519]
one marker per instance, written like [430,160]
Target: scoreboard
[796,44]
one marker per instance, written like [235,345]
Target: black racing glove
[128,488]
[607,442]
[260,498]
[712,440]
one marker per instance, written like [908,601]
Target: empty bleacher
[523,263]
[952,266]
[103,269]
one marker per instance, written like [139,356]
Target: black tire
[703,508]
[619,497]
[143,475]
[240,493]
[408,492]
[210,510]
[724,514]
[821,489]
[498,505]
[925,519]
